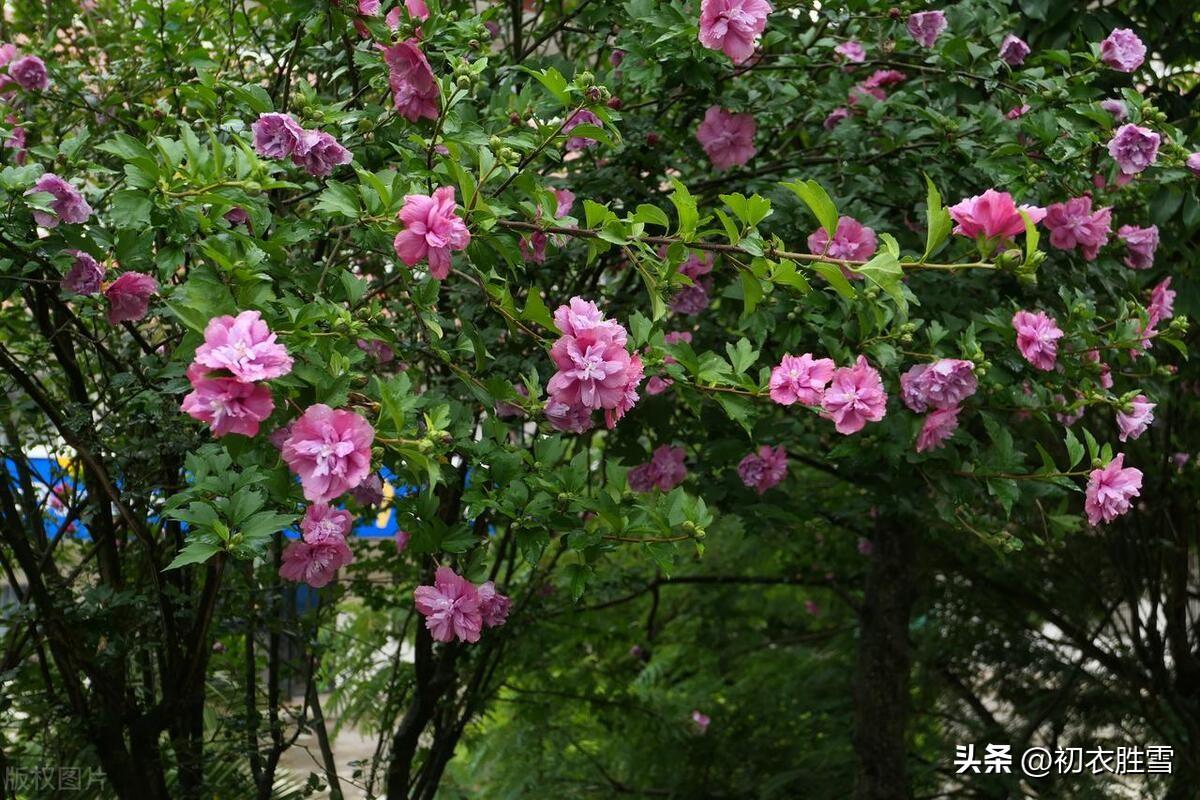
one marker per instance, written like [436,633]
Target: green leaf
[752,292]
[652,215]
[263,524]
[196,552]
[130,209]
[741,357]
[938,219]
[685,208]
[833,274]
[1031,236]
[338,198]
[554,82]
[1074,450]
[817,199]
[536,310]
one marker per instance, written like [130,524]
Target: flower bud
[585,79]
[615,103]
[463,82]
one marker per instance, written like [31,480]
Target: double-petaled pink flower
[432,230]
[1013,50]
[1141,244]
[320,153]
[330,450]
[280,136]
[129,297]
[727,138]
[992,217]
[939,425]
[1133,422]
[733,26]
[1162,302]
[245,347]
[225,403]
[851,240]
[85,276]
[665,470]
[68,204]
[455,608]
[763,468]
[854,397]
[926,26]
[581,117]
[30,73]
[321,550]
[691,300]
[1123,50]
[851,52]
[945,383]
[801,379]
[415,90]
[1073,224]
[594,370]
[1134,148]
[1037,338]
[1110,490]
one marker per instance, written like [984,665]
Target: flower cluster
[321,550]
[1123,50]
[1110,490]
[926,26]
[238,352]
[280,136]
[1073,223]
[850,396]
[455,608]
[594,370]
[68,204]
[939,388]
[330,449]
[28,72]
[1037,338]
[129,297]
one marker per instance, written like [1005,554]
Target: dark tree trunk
[881,680]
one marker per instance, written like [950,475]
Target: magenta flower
[884,77]
[732,26]
[690,300]
[415,90]
[1123,50]
[764,468]
[277,135]
[85,276]
[245,347]
[1116,108]
[579,315]
[1134,422]
[129,297]
[417,9]
[314,564]
[992,216]
[568,418]
[493,606]
[865,546]
[450,607]
[851,52]
[432,229]
[657,385]
[1013,50]
[926,26]
[727,138]
[701,722]
[580,117]
[665,470]
[594,369]
[402,538]
[322,522]
[940,424]
[378,350]
[855,396]
[68,205]
[1074,223]
[943,384]
[227,405]
[238,216]
[1134,148]
[29,73]
[1110,489]
[330,450]
[319,153]
[801,379]
[852,241]
[1016,112]
[835,117]
[1037,338]
[1162,302]
[370,491]
[1142,242]
[566,199]
[1193,164]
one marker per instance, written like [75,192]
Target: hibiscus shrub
[575,293]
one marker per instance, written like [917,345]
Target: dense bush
[719,364]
